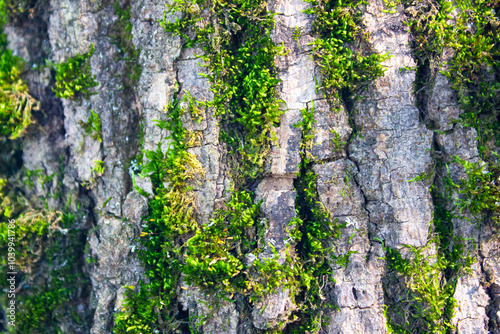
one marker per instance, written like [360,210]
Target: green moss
[211,257]
[481,190]
[172,215]
[96,171]
[429,305]
[239,54]
[16,10]
[48,303]
[48,267]
[472,72]
[296,34]
[74,79]
[215,254]
[93,127]
[337,25]
[430,280]
[314,232]
[240,57]
[469,29]
[16,104]
[123,38]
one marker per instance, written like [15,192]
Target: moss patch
[74,79]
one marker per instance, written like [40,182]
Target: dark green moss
[123,39]
[48,266]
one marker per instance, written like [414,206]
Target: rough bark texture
[391,146]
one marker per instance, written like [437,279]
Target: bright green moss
[16,104]
[469,28]
[313,232]
[172,215]
[344,73]
[430,275]
[429,304]
[242,74]
[473,72]
[336,25]
[74,79]
[239,54]
[96,171]
[481,190]
[215,254]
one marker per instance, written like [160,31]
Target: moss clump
[172,215]
[474,73]
[74,79]
[469,29]
[16,10]
[429,305]
[429,274]
[93,127]
[337,26]
[314,233]
[211,257]
[239,53]
[481,190]
[16,104]
[96,171]
[215,254]
[49,302]
[345,73]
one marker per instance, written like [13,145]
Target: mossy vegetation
[16,10]
[345,72]
[211,257]
[48,265]
[338,32]
[429,275]
[239,54]
[96,171]
[16,104]
[48,273]
[153,306]
[481,190]
[74,78]
[214,258]
[93,126]
[314,233]
[469,30]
